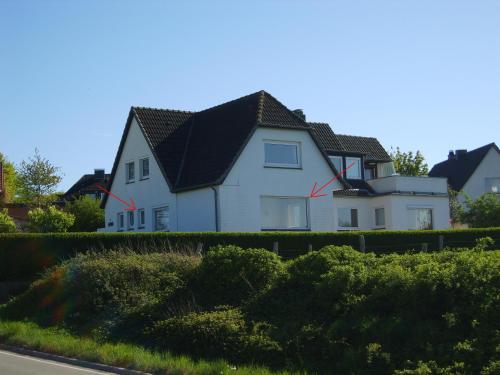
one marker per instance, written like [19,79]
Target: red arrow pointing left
[130,206]
[315,191]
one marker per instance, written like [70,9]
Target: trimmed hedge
[25,255]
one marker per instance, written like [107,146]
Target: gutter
[216,203]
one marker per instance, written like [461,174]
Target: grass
[57,341]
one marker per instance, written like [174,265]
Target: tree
[49,219]
[89,216]
[38,179]
[7,225]
[9,179]
[456,208]
[409,164]
[483,212]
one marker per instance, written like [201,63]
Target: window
[284,213]
[420,218]
[379,217]
[493,185]
[130,219]
[354,165]
[281,154]
[130,171]
[348,217]
[337,162]
[144,168]
[141,218]
[161,218]
[370,173]
[120,221]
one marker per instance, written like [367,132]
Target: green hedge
[24,256]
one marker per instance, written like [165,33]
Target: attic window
[282,154]
[130,172]
[144,168]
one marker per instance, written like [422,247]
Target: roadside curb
[70,361]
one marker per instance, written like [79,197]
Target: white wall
[147,194]
[421,184]
[248,180]
[396,210]
[488,168]
[196,210]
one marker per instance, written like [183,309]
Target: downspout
[216,202]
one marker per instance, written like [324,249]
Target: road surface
[18,364]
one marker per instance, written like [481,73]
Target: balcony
[410,185]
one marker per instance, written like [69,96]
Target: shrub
[49,220]
[7,224]
[230,275]
[484,212]
[217,334]
[89,216]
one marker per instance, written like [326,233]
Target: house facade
[250,165]
[473,172]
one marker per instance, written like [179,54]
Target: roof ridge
[357,136]
[163,109]
[264,93]
[228,102]
[260,106]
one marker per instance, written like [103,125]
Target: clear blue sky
[416,74]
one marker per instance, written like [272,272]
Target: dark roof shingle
[458,170]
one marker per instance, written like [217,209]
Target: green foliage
[335,310]
[7,224]
[89,216]
[49,220]
[9,179]
[228,275]
[25,255]
[218,334]
[37,181]
[456,208]
[484,212]
[409,164]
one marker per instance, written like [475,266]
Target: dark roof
[339,143]
[196,149]
[459,168]
[85,184]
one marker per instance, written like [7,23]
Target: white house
[251,165]
[475,172]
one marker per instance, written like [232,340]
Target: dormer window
[354,168]
[337,163]
[282,154]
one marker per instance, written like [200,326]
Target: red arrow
[130,206]
[314,192]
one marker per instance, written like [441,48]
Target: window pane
[161,218]
[368,174]
[420,218]
[379,216]
[337,162]
[493,185]
[348,217]
[141,218]
[130,171]
[145,167]
[284,213]
[130,219]
[120,220]
[277,153]
[354,171]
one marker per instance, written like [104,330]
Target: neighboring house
[87,186]
[249,165]
[474,172]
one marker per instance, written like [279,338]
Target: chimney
[459,153]
[300,113]
[451,155]
[99,174]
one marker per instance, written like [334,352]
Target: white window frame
[423,207]
[130,220]
[141,169]
[141,218]
[155,209]
[129,180]
[120,221]
[341,162]
[284,165]
[348,162]
[375,217]
[308,219]
[347,227]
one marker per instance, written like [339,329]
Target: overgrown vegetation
[89,216]
[49,220]
[331,311]
[7,224]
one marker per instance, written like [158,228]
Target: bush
[25,255]
[89,216]
[218,334]
[49,220]
[484,212]
[7,224]
[229,275]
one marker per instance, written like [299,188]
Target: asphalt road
[17,364]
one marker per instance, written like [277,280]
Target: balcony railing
[410,184]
